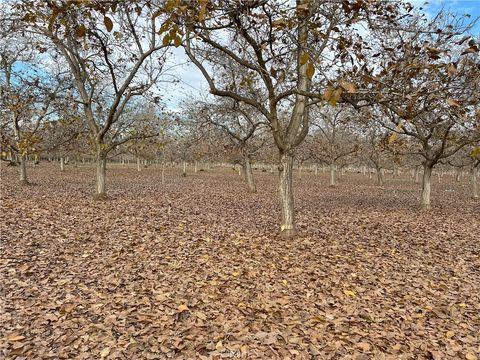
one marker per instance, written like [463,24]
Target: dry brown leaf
[183,307]
[15,337]
[105,352]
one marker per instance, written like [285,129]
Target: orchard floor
[193,269]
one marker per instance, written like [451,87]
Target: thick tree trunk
[196,167]
[364,170]
[23,169]
[474,182]
[457,175]
[100,191]
[249,176]
[379,176]
[62,163]
[426,186]
[370,174]
[316,170]
[332,173]
[287,227]
[139,168]
[184,173]
[163,172]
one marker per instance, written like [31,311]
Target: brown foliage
[191,269]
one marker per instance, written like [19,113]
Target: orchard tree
[280,47]
[335,136]
[114,54]
[474,156]
[426,82]
[468,157]
[28,92]
[144,123]
[374,148]
[239,124]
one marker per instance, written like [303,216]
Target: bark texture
[23,169]
[287,227]
[100,189]
[426,186]
[249,176]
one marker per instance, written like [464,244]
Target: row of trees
[322,80]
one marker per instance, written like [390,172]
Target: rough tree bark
[416,175]
[426,185]
[379,176]
[184,173]
[139,168]
[474,182]
[163,172]
[101,193]
[249,176]
[23,170]
[285,169]
[332,173]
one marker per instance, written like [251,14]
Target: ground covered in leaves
[193,269]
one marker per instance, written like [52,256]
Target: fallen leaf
[15,338]
[453,103]
[183,307]
[105,352]
[364,346]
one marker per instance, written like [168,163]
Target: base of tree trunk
[25,182]
[100,197]
[288,233]
[426,207]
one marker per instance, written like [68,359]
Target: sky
[471,7]
[191,81]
